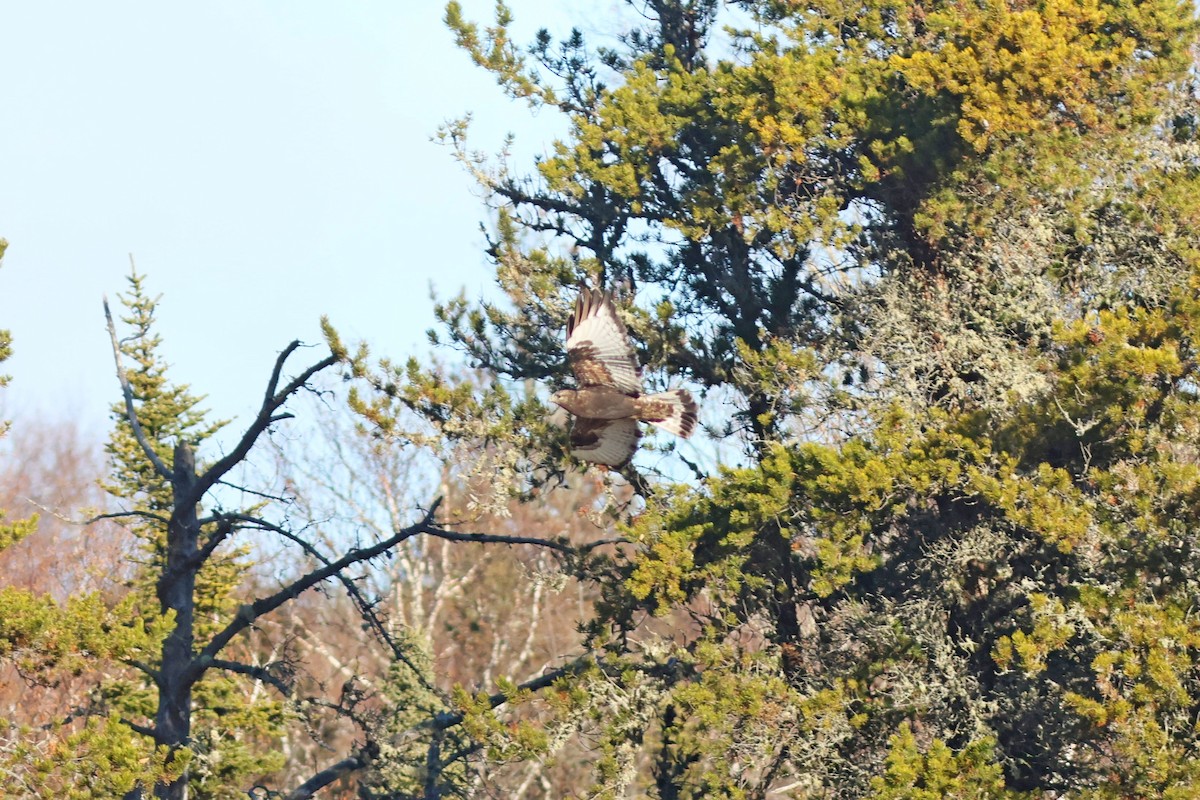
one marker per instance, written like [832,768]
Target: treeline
[931,271]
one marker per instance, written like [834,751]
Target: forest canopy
[931,272]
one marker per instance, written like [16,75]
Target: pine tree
[228,727]
[933,269]
[167,413]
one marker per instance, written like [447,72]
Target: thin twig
[247,490]
[122,515]
[98,518]
[449,719]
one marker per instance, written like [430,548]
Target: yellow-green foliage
[228,728]
[931,268]
[707,541]
[119,761]
[1050,632]
[13,532]
[40,635]
[49,642]
[933,771]
[10,532]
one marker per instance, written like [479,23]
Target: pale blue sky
[264,161]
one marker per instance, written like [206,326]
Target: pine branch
[159,467]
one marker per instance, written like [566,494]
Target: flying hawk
[609,402]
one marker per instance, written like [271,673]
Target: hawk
[609,402]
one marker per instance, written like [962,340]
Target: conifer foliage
[228,725]
[10,532]
[937,263]
[932,268]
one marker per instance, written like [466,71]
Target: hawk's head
[562,397]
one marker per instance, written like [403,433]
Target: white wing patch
[598,345]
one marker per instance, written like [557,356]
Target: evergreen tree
[169,705]
[933,269]
[48,642]
[229,726]
[167,413]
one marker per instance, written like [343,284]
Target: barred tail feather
[673,411]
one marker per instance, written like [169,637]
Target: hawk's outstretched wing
[598,345]
[604,441]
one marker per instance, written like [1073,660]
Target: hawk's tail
[673,411]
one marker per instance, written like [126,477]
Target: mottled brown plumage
[609,401]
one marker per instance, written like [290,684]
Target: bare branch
[262,524]
[365,608]
[144,730]
[247,490]
[277,371]
[122,515]
[98,518]
[141,666]
[263,674]
[265,418]
[127,390]
[492,538]
[602,542]
[225,527]
[248,613]
[328,775]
